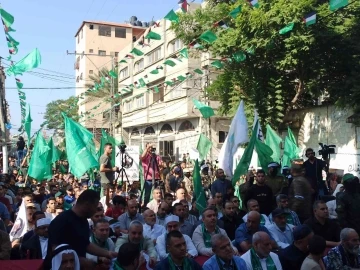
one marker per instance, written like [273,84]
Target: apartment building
[161,111]
[97,46]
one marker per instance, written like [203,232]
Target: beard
[354,250]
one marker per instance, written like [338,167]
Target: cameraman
[148,169]
[313,172]
[107,171]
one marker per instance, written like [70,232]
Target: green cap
[348,176]
[58,194]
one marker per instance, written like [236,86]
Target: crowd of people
[290,220]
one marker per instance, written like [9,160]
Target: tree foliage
[281,72]
[54,109]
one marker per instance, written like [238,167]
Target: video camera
[153,150]
[326,150]
[122,147]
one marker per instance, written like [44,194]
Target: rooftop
[126,25]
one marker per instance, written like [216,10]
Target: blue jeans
[20,155]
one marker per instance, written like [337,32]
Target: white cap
[171,218]
[204,166]
[273,164]
[43,222]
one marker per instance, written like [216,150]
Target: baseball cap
[278,212]
[348,176]
[177,170]
[301,231]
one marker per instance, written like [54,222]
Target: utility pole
[3,120]
[112,87]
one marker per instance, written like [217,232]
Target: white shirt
[161,246]
[50,215]
[199,243]
[247,258]
[282,238]
[153,205]
[44,246]
[332,209]
[267,221]
[154,232]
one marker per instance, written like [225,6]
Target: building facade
[97,47]
[162,111]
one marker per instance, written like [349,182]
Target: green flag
[336,4]
[27,125]
[264,154]
[217,63]
[199,192]
[239,56]
[172,16]
[142,82]
[11,40]
[169,63]
[112,74]
[19,84]
[32,60]
[40,167]
[198,71]
[203,146]
[235,12]
[156,89]
[55,152]
[291,150]
[155,71]
[273,141]
[136,52]
[153,35]
[181,78]
[184,53]
[208,36]
[245,160]
[206,111]
[7,18]
[106,138]
[287,29]
[80,147]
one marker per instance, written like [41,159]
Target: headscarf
[57,256]
[337,189]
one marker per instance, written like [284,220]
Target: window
[186,126]
[120,32]
[140,102]
[81,76]
[135,132]
[222,136]
[158,97]
[128,108]
[77,79]
[154,56]
[102,53]
[139,65]
[166,148]
[114,54]
[175,45]
[104,30]
[82,33]
[166,128]
[78,39]
[124,73]
[91,71]
[91,26]
[149,131]
[91,51]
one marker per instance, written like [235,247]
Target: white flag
[21,224]
[260,134]
[238,134]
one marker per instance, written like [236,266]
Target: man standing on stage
[106,168]
[149,169]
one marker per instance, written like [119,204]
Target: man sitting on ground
[172,224]
[244,234]
[224,255]
[260,255]
[136,236]
[230,219]
[129,257]
[282,202]
[322,225]
[280,230]
[152,230]
[253,205]
[177,258]
[346,255]
[131,215]
[203,232]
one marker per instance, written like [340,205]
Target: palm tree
[100,90]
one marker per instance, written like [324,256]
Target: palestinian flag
[254,3]
[221,24]
[183,5]
[310,18]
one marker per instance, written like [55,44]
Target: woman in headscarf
[64,258]
[332,204]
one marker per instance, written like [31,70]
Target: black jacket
[31,249]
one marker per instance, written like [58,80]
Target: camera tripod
[121,172]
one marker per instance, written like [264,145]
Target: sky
[51,26]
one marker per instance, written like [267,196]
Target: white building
[166,115]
